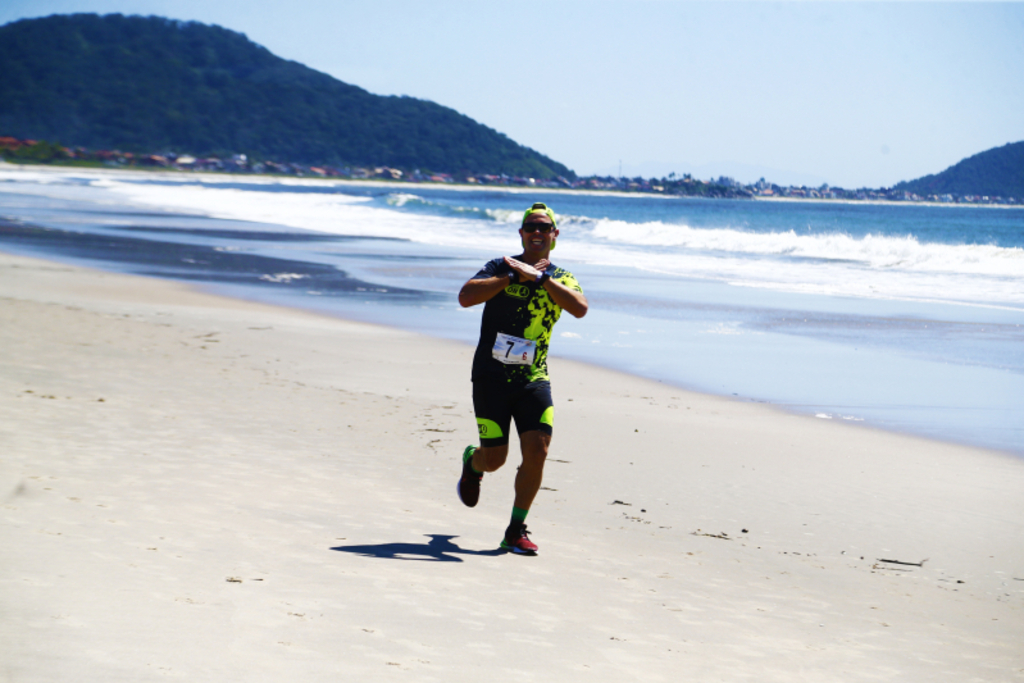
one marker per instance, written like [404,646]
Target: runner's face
[538,242]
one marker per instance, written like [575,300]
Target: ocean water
[902,317]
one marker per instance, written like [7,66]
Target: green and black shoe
[468,487]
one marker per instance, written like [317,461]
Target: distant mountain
[152,84]
[999,172]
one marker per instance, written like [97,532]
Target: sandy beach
[197,488]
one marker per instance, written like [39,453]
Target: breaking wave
[873,264]
[884,252]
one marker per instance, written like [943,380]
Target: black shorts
[496,404]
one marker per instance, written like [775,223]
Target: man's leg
[477,461]
[534,445]
[490,458]
[493,418]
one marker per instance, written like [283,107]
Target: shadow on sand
[439,549]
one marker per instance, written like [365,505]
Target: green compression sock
[519,515]
[467,455]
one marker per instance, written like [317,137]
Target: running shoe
[516,541]
[468,487]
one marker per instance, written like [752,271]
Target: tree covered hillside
[998,172]
[148,84]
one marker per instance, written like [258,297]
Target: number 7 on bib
[512,350]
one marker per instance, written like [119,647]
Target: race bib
[513,350]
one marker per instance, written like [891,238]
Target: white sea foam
[283,277]
[874,251]
[835,264]
[333,213]
[400,199]
[874,266]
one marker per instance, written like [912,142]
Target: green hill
[149,84]
[998,172]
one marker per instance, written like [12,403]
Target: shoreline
[754,385]
[921,412]
[211,289]
[206,291]
[270,492]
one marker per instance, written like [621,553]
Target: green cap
[541,208]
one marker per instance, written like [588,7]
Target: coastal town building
[33,151]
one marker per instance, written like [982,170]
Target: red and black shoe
[468,487]
[516,540]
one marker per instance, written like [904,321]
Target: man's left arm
[569,299]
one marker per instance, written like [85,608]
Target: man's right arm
[478,291]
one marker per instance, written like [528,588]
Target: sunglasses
[545,228]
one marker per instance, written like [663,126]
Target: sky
[853,94]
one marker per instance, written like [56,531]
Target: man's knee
[490,458]
[535,444]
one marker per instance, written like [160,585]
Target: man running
[524,296]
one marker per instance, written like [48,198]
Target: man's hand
[526,272]
[478,291]
[569,299]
